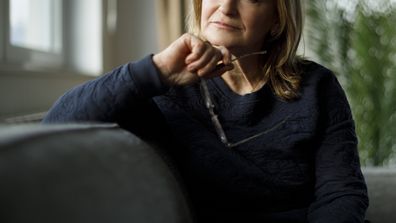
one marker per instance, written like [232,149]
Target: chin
[220,41]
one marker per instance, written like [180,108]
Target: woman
[266,138]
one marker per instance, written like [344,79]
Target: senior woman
[264,138]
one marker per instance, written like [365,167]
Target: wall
[136,34]
[24,93]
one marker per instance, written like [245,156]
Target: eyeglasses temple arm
[210,106]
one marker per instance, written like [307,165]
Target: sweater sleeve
[122,96]
[340,189]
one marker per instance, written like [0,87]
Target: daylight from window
[32,24]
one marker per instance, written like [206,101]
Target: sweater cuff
[146,77]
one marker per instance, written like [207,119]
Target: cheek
[207,11]
[204,21]
[260,27]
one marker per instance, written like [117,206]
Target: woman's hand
[189,58]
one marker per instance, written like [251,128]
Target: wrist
[161,66]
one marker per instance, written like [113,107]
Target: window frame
[2,31]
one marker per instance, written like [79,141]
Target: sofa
[85,173]
[102,173]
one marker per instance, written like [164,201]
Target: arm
[340,189]
[107,98]
[124,95]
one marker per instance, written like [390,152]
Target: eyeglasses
[214,117]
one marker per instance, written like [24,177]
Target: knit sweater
[303,168]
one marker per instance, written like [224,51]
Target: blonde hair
[282,64]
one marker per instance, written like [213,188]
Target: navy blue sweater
[304,169]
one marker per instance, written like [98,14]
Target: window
[51,35]
[34,34]
[66,51]
[33,25]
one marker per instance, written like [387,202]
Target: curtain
[171,18]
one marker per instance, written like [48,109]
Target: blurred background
[49,46]
[357,40]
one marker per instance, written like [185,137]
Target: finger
[220,69]
[211,64]
[222,54]
[209,55]
[198,48]
[226,54]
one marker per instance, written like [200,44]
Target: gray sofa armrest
[85,173]
[381,185]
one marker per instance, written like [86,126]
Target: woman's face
[239,25]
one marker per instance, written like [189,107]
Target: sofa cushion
[85,173]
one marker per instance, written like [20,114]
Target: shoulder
[318,77]
[315,72]
[322,84]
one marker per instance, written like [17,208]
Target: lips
[225,25]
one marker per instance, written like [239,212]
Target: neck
[246,77]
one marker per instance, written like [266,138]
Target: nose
[229,7]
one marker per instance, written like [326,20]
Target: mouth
[224,25]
